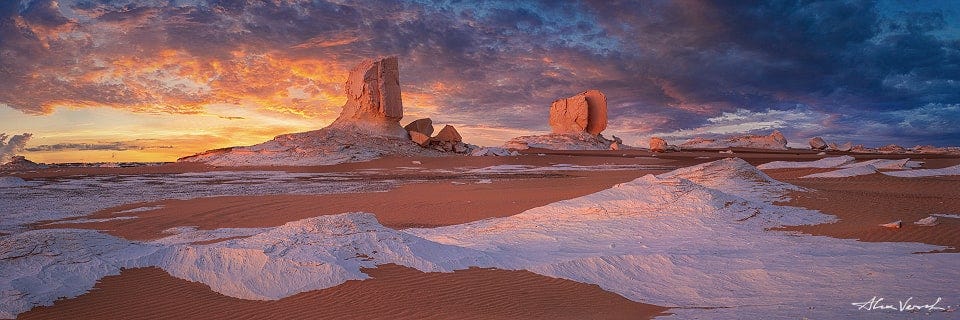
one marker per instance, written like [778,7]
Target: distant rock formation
[774,141]
[583,112]
[576,123]
[20,163]
[817,143]
[373,99]
[892,148]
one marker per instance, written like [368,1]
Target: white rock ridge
[774,141]
[556,141]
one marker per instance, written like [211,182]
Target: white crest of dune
[311,254]
[948,171]
[695,237]
[846,172]
[40,266]
[848,166]
[831,162]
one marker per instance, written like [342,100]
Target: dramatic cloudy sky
[155,80]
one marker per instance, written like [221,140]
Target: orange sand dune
[430,204]
[395,292]
[862,203]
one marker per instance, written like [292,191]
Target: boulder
[846,147]
[893,225]
[927,222]
[373,99]
[817,143]
[421,139]
[448,134]
[424,126]
[583,112]
[657,144]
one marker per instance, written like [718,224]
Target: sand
[395,292]
[430,204]
[861,203]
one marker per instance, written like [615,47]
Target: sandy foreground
[440,198]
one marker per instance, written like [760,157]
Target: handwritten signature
[876,303]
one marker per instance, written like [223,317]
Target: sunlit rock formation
[583,112]
[373,99]
[576,123]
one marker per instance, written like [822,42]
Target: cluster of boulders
[576,123]
[447,140]
[818,143]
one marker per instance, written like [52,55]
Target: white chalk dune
[845,172]
[694,237]
[948,171]
[831,162]
[848,167]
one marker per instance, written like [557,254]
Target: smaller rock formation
[657,144]
[448,134]
[449,140]
[817,143]
[576,123]
[583,112]
[424,126]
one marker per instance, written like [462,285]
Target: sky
[151,80]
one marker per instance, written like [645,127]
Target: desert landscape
[623,198]
[564,225]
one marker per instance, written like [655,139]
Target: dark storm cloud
[855,68]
